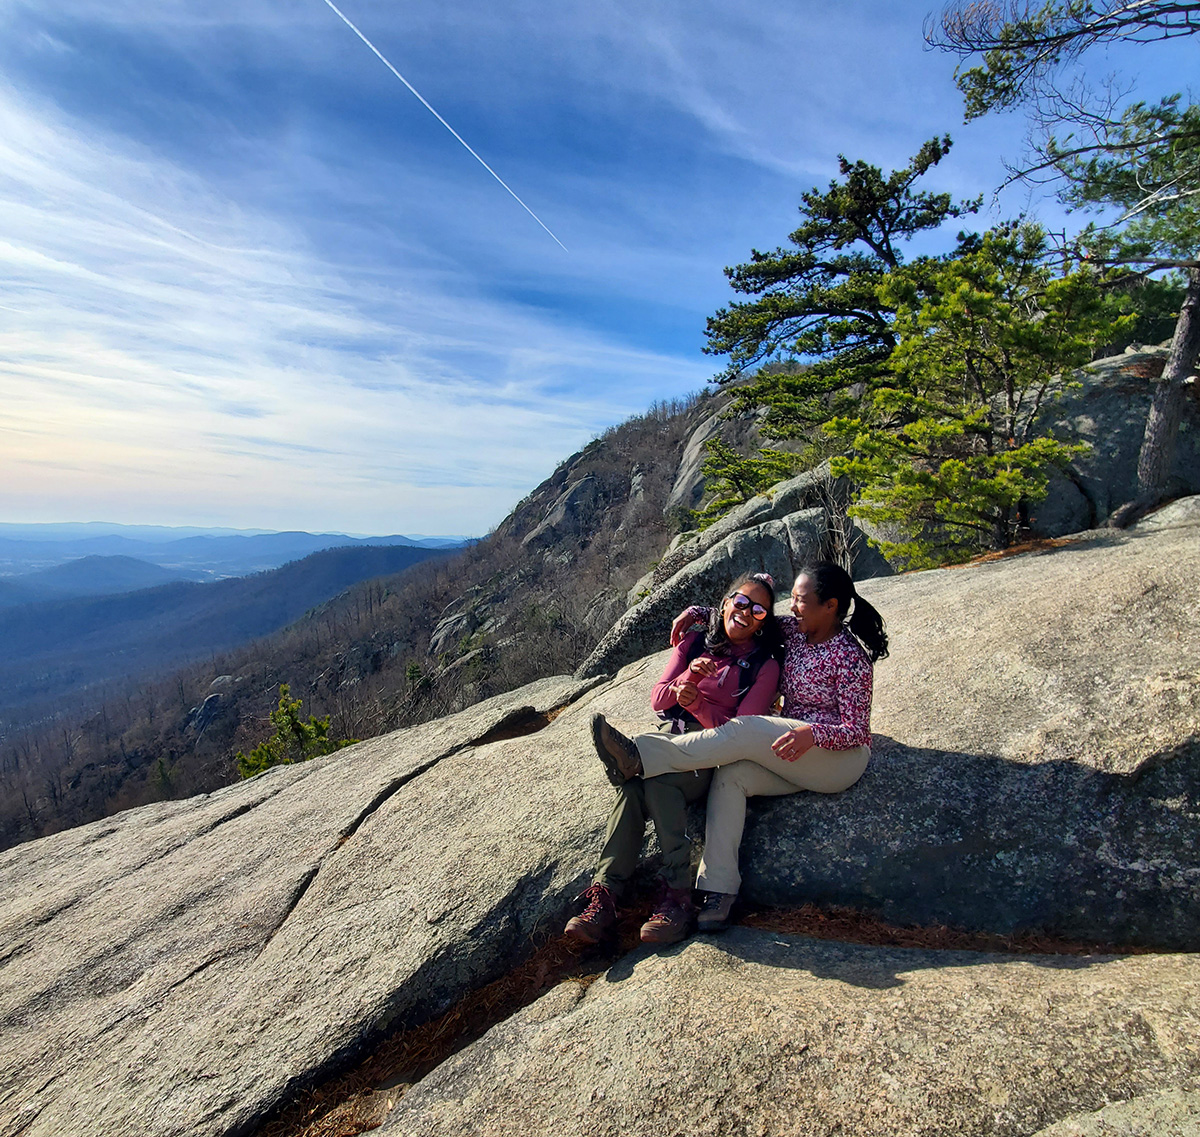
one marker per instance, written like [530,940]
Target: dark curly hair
[768,635]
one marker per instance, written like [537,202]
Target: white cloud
[163,348]
[249,280]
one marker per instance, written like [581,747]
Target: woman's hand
[794,743]
[702,666]
[686,693]
[682,622]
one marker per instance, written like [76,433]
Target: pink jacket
[717,693]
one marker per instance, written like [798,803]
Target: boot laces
[598,900]
[674,903]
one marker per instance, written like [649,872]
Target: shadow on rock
[985,844]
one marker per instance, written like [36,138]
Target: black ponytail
[865,623]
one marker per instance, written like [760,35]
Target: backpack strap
[747,668]
[679,717]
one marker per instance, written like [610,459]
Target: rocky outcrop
[187,967]
[479,609]
[1173,1114]
[181,968]
[800,520]
[569,515]
[1015,778]
[761,1033]
[1184,511]
[939,836]
[202,717]
[688,490]
[1107,410]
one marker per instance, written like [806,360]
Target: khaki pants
[748,767]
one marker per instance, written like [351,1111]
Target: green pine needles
[928,380]
[294,739]
[954,448]
[735,479]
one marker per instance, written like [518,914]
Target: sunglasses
[742,603]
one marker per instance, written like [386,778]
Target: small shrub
[294,739]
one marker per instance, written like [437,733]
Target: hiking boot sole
[619,765]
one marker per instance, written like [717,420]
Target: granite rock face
[777,532]
[1108,412]
[756,1033]
[568,514]
[181,968]
[1018,781]
[688,490]
[187,967]
[942,837]
[1172,1114]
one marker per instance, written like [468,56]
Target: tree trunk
[1166,409]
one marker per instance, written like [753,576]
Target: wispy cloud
[249,280]
[156,331]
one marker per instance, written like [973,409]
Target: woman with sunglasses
[729,667]
[821,742]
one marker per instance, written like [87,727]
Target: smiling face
[817,618]
[740,623]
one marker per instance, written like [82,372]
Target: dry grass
[1036,546]
[359,1099]
[851,926]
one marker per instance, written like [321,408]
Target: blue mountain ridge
[209,555]
[56,648]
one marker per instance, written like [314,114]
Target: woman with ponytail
[821,742]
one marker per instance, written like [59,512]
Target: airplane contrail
[345,19]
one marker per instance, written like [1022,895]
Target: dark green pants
[663,800]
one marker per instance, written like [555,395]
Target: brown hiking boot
[597,919]
[672,918]
[619,755]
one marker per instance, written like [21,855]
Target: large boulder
[187,967]
[800,520]
[740,431]
[1107,409]
[812,489]
[479,609]
[758,1033]
[1020,778]
[182,968]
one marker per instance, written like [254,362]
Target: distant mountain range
[87,576]
[56,647]
[189,553]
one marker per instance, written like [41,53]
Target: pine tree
[1144,159]
[294,739]
[818,301]
[952,450]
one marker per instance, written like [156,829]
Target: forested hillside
[58,650]
[529,600]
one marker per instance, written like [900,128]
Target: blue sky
[251,281]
